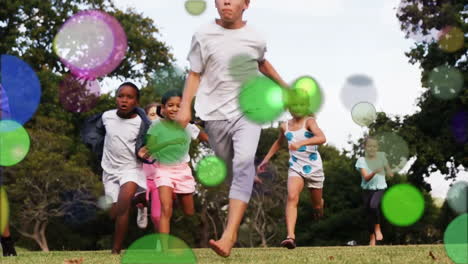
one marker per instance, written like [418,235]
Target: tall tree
[437,139]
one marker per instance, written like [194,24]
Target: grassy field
[351,255]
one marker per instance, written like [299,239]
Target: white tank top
[305,160]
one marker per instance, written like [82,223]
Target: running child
[373,167]
[175,178]
[217,82]
[118,137]
[305,166]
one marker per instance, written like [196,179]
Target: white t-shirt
[225,58]
[192,131]
[119,144]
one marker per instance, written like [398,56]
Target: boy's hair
[131,85]
[167,95]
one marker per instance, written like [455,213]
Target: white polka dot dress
[306,160]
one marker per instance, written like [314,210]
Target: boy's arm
[191,87]
[267,69]
[317,139]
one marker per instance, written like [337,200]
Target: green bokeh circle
[159,248]
[445,82]
[168,142]
[14,143]
[305,97]
[403,205]
[261,100]
[456,239]
[195,7]
[211,171]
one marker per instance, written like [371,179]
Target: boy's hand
[295,146]
[262,167]
[144,153]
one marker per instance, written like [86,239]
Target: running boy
[117,136]
[233,138]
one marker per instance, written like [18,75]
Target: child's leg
[295,185]
[317,202]
[165,196]
[187,203]
[375,208]
[121,209]
[155,206]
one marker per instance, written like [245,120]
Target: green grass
[353,255]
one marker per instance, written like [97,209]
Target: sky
[328,40]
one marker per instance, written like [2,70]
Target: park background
[53,192]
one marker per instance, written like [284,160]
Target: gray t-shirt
[225,58]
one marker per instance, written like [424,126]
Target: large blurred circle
[451,39]
[445,82]
[91,44]
[305,97]
[261,100]
[457,197]
[20,89]
[395,148]
[168,142]
[403,205]
[363,113]
[78,95]
[159,248]
[14,143]
[456,239]
[211,171]
[358,88]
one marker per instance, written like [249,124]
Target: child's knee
[293,198]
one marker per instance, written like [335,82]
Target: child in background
[305,166]
[373,167]
[152,194]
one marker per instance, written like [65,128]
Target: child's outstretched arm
[317,139]
[269,71]
[273,149]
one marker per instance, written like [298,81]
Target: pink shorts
[179,177]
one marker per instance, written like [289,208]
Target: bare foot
[378,235]
[222,247]
[115,251]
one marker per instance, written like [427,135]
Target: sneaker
[142,217]
[8,246]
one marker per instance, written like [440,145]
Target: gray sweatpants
[235,141]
